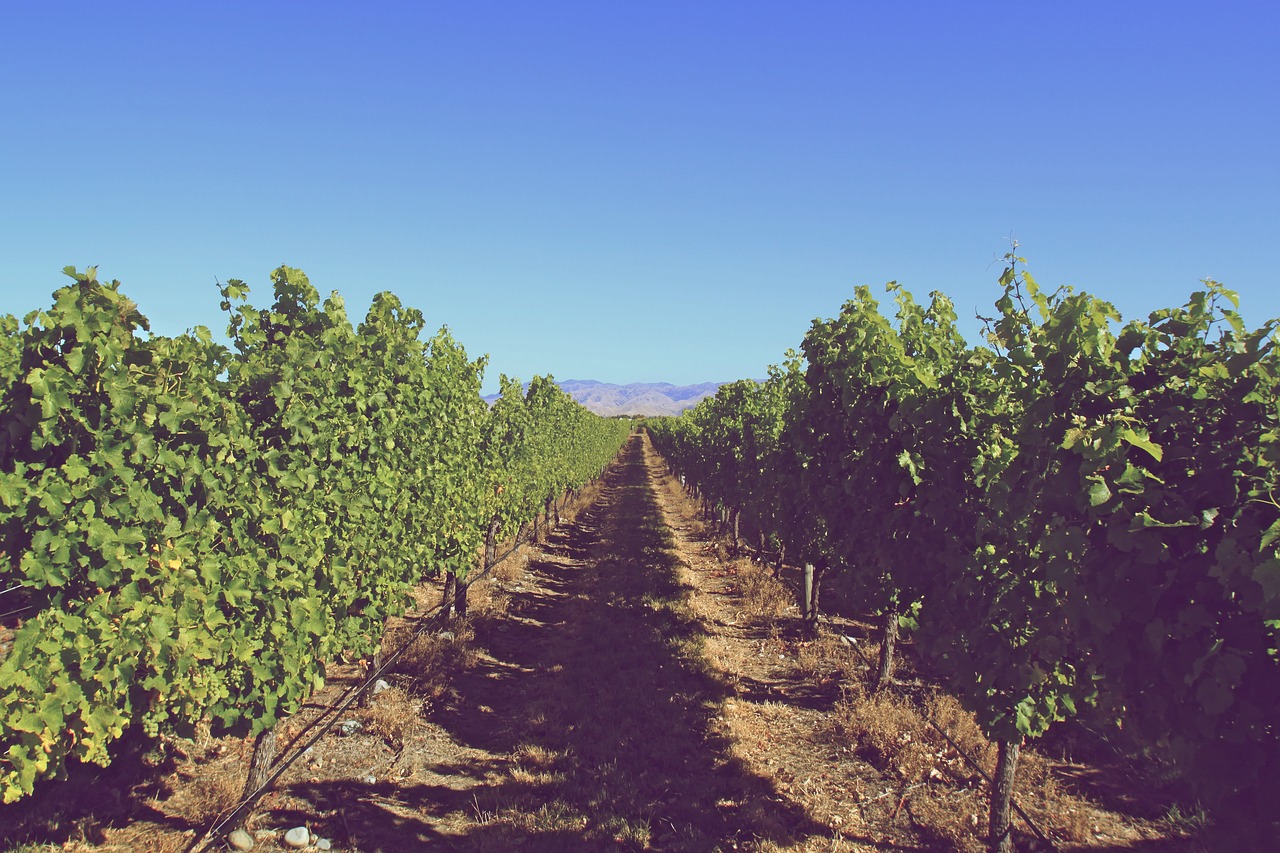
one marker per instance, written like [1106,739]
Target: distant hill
[638,398]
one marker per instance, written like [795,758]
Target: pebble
[447,635]
[348,727]
[298,837]
[324,844]
[370,780]
[240,840]
[379,686]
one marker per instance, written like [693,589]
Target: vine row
[1075,513]
[191,531]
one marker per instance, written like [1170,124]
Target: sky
[638,192]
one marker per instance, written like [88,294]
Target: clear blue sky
[645,191]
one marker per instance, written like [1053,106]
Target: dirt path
[594,715]
[625,702]
[777,714]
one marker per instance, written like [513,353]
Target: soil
[615,687]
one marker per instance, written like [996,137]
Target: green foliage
[1080,512]
[876,429]
[1174,480]
[736,447]
[195,531]
[540,443]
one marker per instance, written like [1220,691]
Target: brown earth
[624,685]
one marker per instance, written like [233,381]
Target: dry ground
[621,686]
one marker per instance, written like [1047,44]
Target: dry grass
[587,496]
[213,790]
[886,730]
[513,567]
[536,768]
[829,657]
[485,598]
[953,818]
[393,715]
[892,732]
[764,597]
[429,663]
[533,756]
[126,840]
[947,712]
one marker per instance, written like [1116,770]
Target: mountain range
[637,398]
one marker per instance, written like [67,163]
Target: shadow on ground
[601,708]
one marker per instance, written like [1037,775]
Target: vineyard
[1072,516]
[1076,520]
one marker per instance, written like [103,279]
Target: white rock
[379,686]
[370,780]
[447,635]
[349,727]
[240,840]
[324,844]
[298,837]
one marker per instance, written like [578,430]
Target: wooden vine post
[1000,826]
[264,754]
